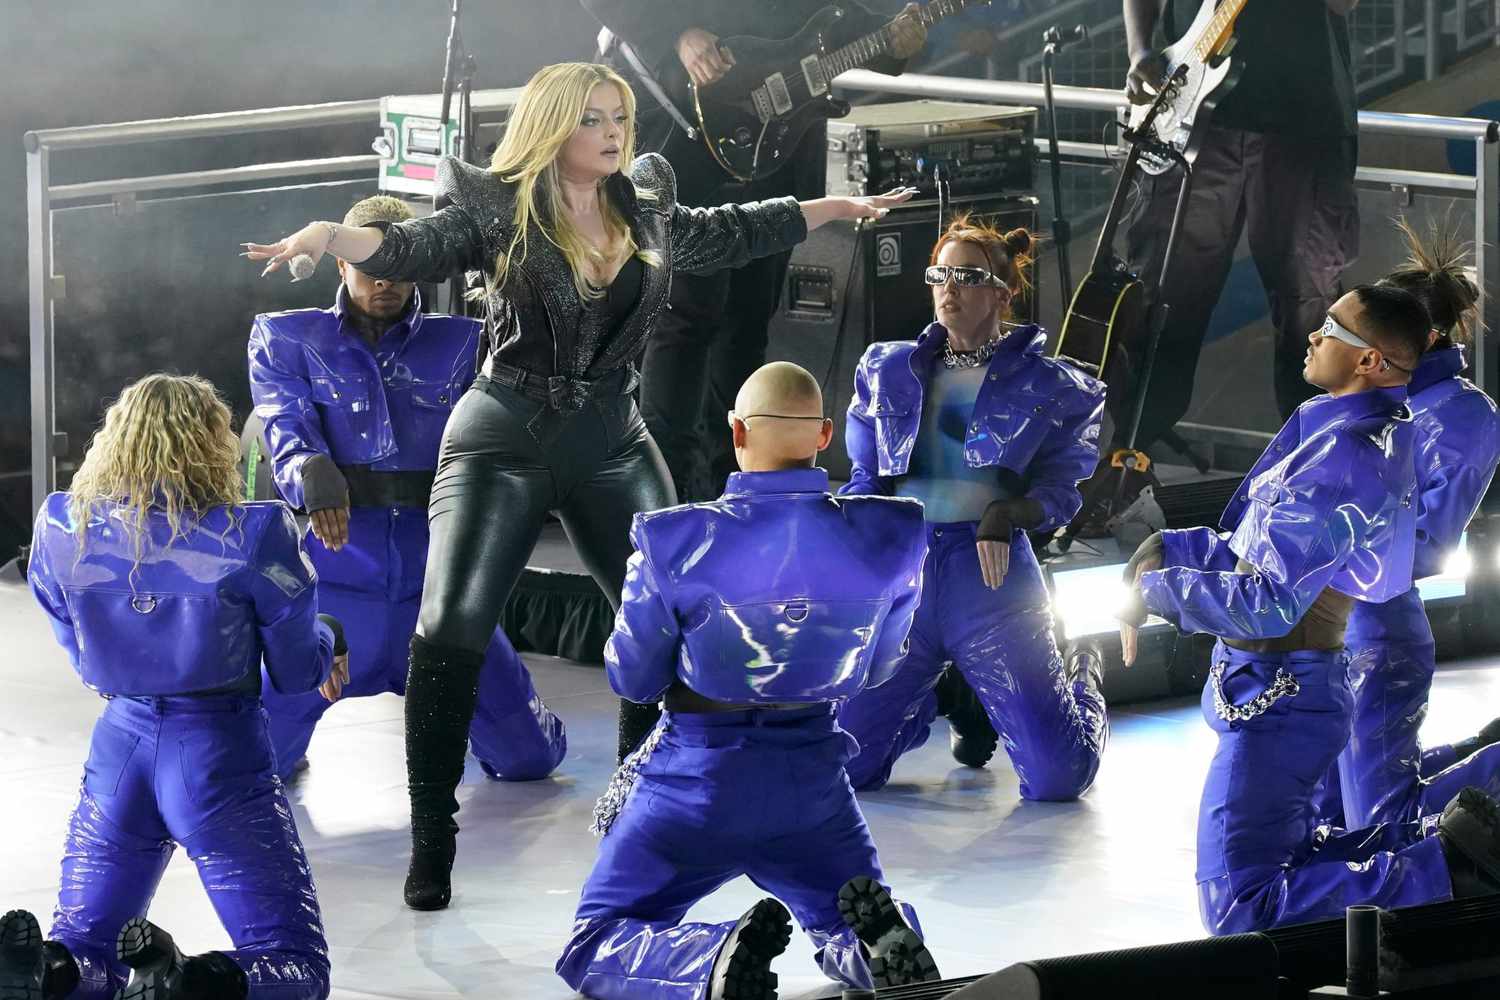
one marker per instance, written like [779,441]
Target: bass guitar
[754,116]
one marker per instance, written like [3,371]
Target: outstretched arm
[1300,542]
[705,240]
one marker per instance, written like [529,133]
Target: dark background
[155,284]
[145,287]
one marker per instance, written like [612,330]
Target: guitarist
[714,335]
[1279,159]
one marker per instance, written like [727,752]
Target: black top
[1297,76]
[537,320]
[622,295]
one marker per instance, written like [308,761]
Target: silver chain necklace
[969,359]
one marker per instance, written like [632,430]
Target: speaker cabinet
[848,287]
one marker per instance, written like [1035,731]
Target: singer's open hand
[311,239]
[874,206]
[821,211]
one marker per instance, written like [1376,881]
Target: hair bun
[1018,242]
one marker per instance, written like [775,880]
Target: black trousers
[715,330]
[1296,195]
[507,460]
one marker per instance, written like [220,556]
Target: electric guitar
[1208,74]
[753,117]
[1109,306]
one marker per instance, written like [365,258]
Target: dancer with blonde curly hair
[577,242]
[167,592]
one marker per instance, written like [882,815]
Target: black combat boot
[742,971]
[895,952]
[159,971]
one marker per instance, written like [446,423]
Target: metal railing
[1392,41]
[1483,189]
[46,288]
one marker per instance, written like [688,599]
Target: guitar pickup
[781,97]
[762,102]
[812,72]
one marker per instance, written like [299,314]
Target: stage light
[1459,563]
[1086,600]
[1452,581]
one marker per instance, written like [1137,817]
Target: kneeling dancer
[993,437]
[1386,774]
[167,592]
[355,399]
[752,615]
[1326,517]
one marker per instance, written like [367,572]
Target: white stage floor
[994,879]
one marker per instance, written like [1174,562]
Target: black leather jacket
[538,322]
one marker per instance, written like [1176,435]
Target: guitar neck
[867,48]
[1218,30]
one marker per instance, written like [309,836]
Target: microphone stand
[1054,40]
[458,62]
[459,68]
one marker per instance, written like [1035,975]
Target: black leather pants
[508,459]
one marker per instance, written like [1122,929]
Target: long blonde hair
[545,118]
[166,445]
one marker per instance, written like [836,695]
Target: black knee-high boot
[635,722]
[441,687]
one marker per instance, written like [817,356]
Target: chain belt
[1283,685]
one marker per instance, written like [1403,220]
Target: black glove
[1002,517]
[340,648]
[323,484]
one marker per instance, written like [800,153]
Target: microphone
[301,266]
[1060,39]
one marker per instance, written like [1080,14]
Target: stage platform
[994,879]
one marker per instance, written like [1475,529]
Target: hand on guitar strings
[702,56]
[1148,71]
[908,35]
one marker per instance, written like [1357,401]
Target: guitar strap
[609,40]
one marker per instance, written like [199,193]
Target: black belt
[561,392]
[387,489]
